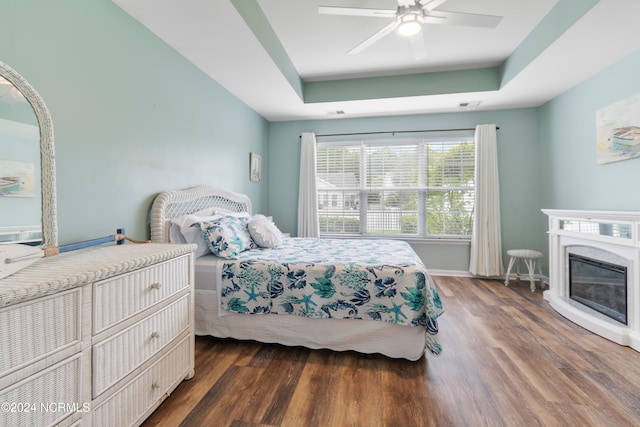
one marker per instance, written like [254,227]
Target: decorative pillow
[226,236]
[182,231]
[244,218]
[264,232]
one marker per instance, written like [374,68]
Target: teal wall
[517,156]
[571,179]
[131,116]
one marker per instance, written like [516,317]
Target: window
[409,188]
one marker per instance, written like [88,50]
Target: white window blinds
[408,188]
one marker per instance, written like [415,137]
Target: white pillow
[264,232]
[175,236]
[182,231]
[225,212]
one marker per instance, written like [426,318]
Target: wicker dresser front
[98,336]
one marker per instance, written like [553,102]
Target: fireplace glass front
[599,285]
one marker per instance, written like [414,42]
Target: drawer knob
[155,385]
[155,286]
[155,334]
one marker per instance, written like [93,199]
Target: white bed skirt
[364,336]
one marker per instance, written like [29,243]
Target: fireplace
[594,271]
[599,285]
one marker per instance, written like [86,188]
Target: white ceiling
[213,35]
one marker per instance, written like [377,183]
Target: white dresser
[96,337]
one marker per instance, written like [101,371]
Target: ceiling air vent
[469,104]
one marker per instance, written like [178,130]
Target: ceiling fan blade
[429,5]
[355,11]
[374,38]
[418,46]
[459,18]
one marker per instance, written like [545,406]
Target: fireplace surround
[603,249]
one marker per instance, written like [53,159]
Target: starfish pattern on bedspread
[379,280]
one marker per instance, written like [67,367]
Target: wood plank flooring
[509,360]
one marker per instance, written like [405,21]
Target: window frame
[422,189]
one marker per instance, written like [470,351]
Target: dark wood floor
[508,360]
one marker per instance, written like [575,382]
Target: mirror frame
[47,155]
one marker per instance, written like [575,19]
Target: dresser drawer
[132,403]
[121,297]
[117,356]
[46,398]
[38,328]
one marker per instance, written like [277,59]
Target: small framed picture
[254,167]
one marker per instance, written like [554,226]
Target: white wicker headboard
[173,204]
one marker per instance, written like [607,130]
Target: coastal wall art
[16,179]
[618,131]
[255,167]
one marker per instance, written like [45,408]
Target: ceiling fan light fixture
[410,24]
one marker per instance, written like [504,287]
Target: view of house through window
[409,188]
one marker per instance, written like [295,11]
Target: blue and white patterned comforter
[382,280]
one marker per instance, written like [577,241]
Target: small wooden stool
[531,259]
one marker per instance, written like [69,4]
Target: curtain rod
[393,132]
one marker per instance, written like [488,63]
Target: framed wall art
[618,130]
[255,167]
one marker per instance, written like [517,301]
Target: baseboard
[457,273]
[450,273]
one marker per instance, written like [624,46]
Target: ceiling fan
[408,20]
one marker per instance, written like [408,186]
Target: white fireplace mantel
[609,234]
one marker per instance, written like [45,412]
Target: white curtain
[308,223]
[486,241]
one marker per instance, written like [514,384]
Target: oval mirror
[27,164]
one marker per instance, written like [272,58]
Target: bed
[339,294]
